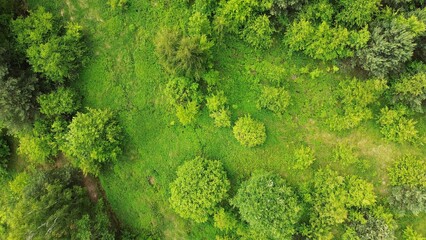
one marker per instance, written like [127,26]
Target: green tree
[391,44]
[269,205]
[274,99]
[258,32]
[303,158]
[408,199]
[375,224]
[94,138]
[200,185]
[17,96]
[249,132]
[412,91]
[62,101]
[357,13]
[183,55]
[410,234]
[395,126]
[216,103]
[52,49]
[408,170]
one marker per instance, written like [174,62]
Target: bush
[216,103]
[258,32]
[391,45]
[94,138]
[63,101]
[53,50]
[377,225]
[356,96]
[183,55]
[249,132]
[184,96]
[410,234]
[408,170]
[396,127]
[269,205]
[303,158]
[412,91]
[200,185]
[357,13]
[408,199]
[344,154]
[274,99]
[117,4]
[224,221]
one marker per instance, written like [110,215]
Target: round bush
[249,132]
[200,185]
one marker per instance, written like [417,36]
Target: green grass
[122,73]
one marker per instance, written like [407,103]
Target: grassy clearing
[122,73]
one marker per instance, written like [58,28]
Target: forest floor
[122,73]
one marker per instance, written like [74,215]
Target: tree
[94,138]
[410,234]
[53,205]
[258,32]
[62,101]
[184,96]
[395,126]
[375,224]
[408,199]
[52,49]
[357,13]
[409,171]
[269,205]
[274,99]
[55,202]
[249,132]
[17,96]
[183,55]
[411,90]
[391,44]
[200,185]
[303,158]
[216,103]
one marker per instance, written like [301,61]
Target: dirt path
[91,185]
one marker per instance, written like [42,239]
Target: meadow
[121,72]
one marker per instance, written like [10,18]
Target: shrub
[357,12]
[344,154]
[94,138]
[377,225]
[216,103]
[62,101]
[224,221]
[53,50]
[249,132]
[391,45]
[274,99]
[408,199]
[396,127]
[258,32]
[408,170]
[184,96]
[117,4]
[356,97]
[412,91]
[410,234]
[269,205]
[303,158]
[200,185]
[183,55]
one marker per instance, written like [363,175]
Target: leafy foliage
[52,49]
[200,185]
[183,55]
[391,45]
[410,234]
[258,32]
[395,126]
[375,224]
[303,158]
[63,101]
[94,138]
[408,170]
[356,96]
[118,4]
[274,99]
[184,96]
[357,12]
[323,41]
[249,132]
[216,103]
[412,91]
[16,99]
[269,205]
[408,199]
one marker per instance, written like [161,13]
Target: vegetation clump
[249,132]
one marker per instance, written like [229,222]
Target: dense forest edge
[213,119]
